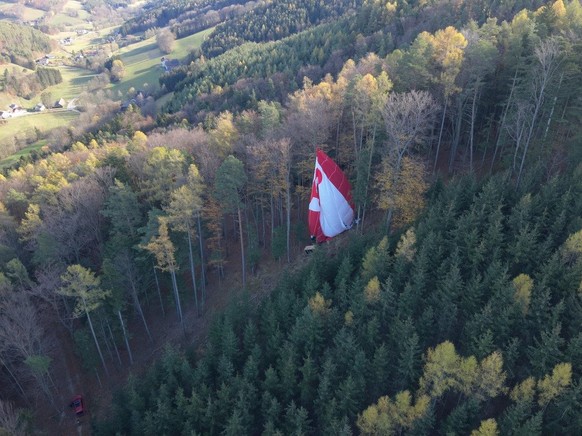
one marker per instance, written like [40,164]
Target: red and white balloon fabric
[331,209]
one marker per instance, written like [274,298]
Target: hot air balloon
[331,209]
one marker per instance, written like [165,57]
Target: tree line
[28,85]
[273,21]
[188,17]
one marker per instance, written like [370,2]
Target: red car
[77,405]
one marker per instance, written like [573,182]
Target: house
[169,64]
[39,107]
[61,103]
[5,115]
[15,110]
[44,61]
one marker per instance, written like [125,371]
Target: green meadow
[74,83]
[15,157]
[24,127]
[27,13]
[143,62]
[72,16]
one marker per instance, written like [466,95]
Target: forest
[22,44]
[186,17]
[28,85]
[452,306]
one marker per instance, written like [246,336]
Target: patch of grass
[184,46]
[13,158]
[142,62]
[24,126]
[74,83]
[63,18]
[28,13]
[142,67]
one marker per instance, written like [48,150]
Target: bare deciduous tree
[165,40]
[408,118]
[549,59]
[22,342]
[74,221]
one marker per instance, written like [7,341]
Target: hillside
[457,325]
[22,44]
[180,182]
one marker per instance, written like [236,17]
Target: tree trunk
[552,110]
[177,297]
[159,291]
[502,125]
[104,333]
[456,134]
[95,338]
[472,127]
[389,219]
[125,338]
[113,341]
[288,206]
[202,266]
[368,174]
[13,378]
[137,304]
[436,159]
[272,216]
[193,270]
[242,248]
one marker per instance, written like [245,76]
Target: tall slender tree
[229,190]
[162,247]
[183,210]
[84,287]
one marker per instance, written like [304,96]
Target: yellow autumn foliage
[487,428]
[372,290]
[319,305]
[553,385]
[523,285]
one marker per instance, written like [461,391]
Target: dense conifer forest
[469,320]
[21,44]
[453,305]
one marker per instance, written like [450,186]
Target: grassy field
[24,126]
[13,158]
[74,83]
[143,65]
[27,13]
[67,16]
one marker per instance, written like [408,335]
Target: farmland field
[24,125]
[142,61]
[74,83]
[26,13]
[10,160]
